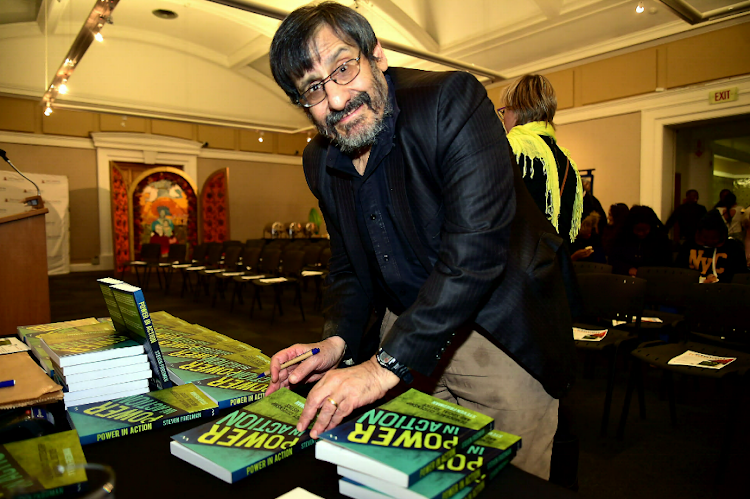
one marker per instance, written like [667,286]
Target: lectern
[24,286]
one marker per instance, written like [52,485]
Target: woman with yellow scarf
[548,170]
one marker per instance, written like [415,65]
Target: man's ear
[379,54]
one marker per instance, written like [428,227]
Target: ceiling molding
[250,53]
[408,27]
[550,8]
[255,157]
[34,139]
[146,143]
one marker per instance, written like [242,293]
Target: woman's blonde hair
[532,98]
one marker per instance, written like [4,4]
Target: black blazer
[495,263]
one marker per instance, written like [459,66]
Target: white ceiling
[211,65]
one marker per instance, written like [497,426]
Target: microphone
[32,201]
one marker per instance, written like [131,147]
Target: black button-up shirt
[396,269]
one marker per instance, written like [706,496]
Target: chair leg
[669,381]
[237,293]
[610,389]
[628,396]
[299,299]
[733,412]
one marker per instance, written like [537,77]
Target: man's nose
[338,96]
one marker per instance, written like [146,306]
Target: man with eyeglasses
[430,272]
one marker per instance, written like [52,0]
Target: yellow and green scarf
[525,141]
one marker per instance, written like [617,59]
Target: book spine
[447,455]
[151,345]
[270,460]
[489,467]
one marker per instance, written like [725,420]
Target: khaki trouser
[479,375]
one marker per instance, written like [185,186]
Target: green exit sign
[723,95]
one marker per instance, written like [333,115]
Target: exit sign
[724,95]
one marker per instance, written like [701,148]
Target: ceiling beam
[251,52]
[408,26]
[265,10]
[691,15]
[550,8]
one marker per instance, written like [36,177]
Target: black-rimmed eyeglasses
[342,75]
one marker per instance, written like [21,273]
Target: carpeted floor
[654,460]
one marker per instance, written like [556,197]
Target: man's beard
[377,103]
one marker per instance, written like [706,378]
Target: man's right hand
[310,369]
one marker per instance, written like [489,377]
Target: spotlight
[48,110]
[640,8]
[63,88]
[260,139]
[98,37]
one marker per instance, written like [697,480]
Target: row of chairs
[707,318]
[258,263]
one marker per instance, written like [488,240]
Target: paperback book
[82,344]
[454,478]
[23,474]
[126,416]
[92,395]
[135,314]
[405,439]
[247,440]
[105,285]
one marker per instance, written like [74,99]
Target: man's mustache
[336,116]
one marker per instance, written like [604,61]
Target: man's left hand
[341,391]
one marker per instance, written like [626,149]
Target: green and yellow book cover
[109,299]
[45,466]
[454,478]
[90,343]
[134,311]
[404,439]
[247,440]
[117,418]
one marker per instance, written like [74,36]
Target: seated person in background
[616,217]
[712,253]
[643,242]
[685,217]
[548,171]
[590,203]
[588,245]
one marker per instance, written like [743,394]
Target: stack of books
[247,440]
[95,363]
[415,447]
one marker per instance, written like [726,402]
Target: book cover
[247,440]
[404,439]
[112,306]
[125,416]
[356,490]
[78,345]
[138,321]
[30,468]
[452,477]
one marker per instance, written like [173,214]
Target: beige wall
[611,146]
[79,165]
[260,193]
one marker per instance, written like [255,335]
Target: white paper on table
[697,359]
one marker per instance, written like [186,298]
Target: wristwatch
[389,362]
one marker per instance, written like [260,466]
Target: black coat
[455,193]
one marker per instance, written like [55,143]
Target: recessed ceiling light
[165,14]
[639,9]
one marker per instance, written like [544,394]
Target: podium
[24,286]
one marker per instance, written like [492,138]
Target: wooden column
[24,286]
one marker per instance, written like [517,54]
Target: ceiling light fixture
[260,139]
[98,37]
[639,9]
[100,15]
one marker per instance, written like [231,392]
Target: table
[145,468]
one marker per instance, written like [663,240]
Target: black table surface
[145,468]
